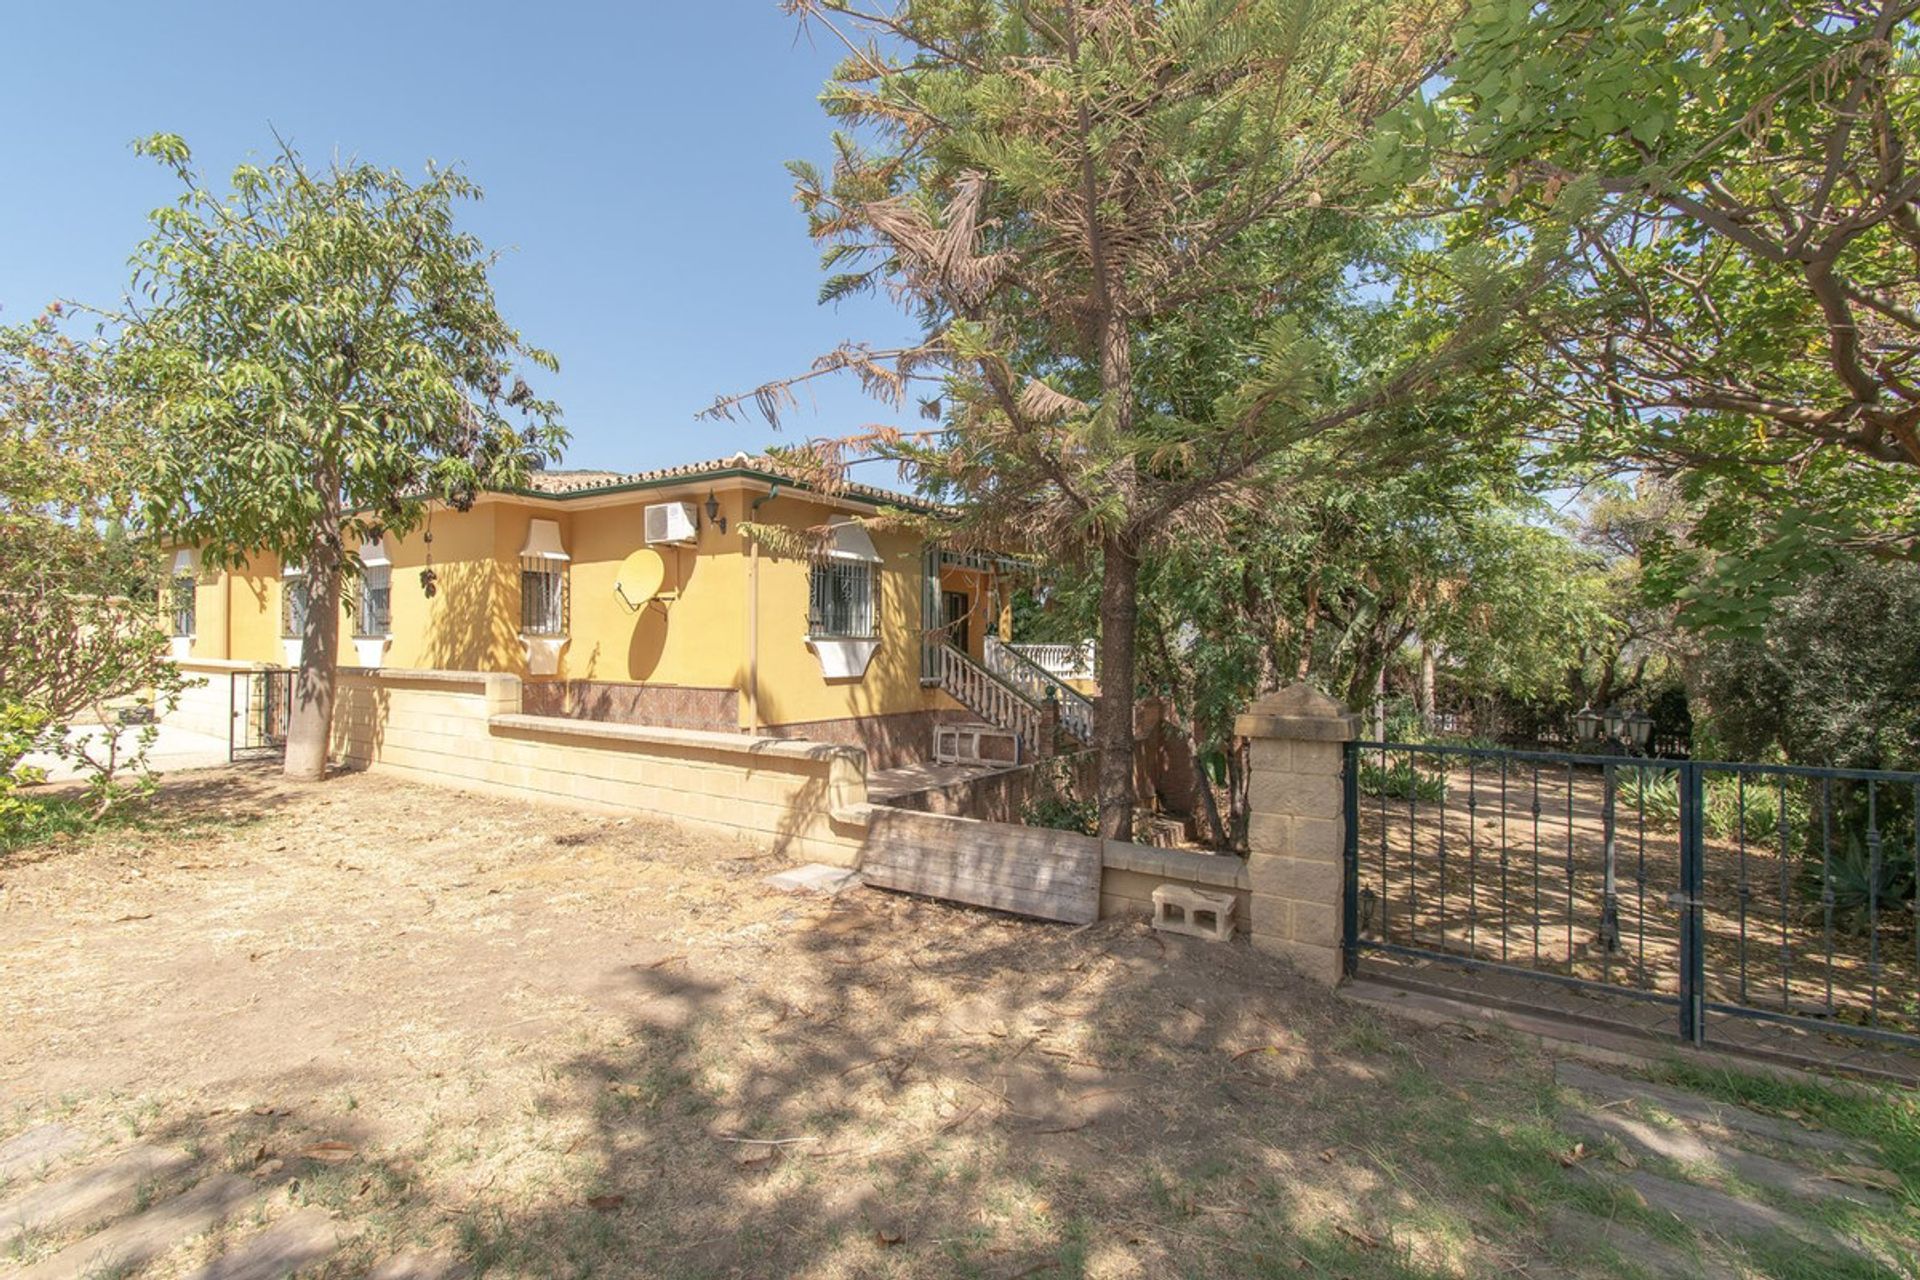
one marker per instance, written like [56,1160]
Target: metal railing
[1061,661]
[1736,894]
[258,707]
[1037,684]
[987,696]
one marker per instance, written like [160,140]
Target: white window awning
[851,541]
[186,563]
[373,553]
[543,541]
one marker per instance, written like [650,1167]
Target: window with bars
[841,604]
[293,607]
[182,602]
[374,618]
[543,596]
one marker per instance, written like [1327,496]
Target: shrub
[1402,779]
[1055,801]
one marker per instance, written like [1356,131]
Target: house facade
[639,598]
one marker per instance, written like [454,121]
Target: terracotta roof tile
[579,483]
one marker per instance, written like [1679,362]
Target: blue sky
[631,153]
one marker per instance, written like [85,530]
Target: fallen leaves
[1866,1175]
[329,1151]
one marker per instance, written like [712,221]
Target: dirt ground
[545,1043]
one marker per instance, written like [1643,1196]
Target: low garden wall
[804,800]
[207,703]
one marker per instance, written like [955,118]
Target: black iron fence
[258,704]
[1728,894]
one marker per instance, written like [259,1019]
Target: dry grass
[559,1044]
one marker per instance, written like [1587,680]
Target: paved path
[174,749]
[67,1214]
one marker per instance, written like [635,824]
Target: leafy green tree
[1124,228]
[1736,181]
[1833,679]
[1335,583]
[320,358]
[78,634]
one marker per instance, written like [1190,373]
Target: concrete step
[1582,1231]
[131,1243]
[418,1266]
[96,1191]
[1686,1147]
[25,1154]
[298,1240]
[1682,1105]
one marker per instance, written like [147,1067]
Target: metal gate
[258,704]
[1768,908]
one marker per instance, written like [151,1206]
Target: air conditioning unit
[671,522]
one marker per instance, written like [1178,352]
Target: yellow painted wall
[698,638]
[695,636]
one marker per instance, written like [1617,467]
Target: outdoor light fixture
[1586,724]
[714,517]
[1616,724]
[1639,728]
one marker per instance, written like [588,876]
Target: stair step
[25,1154]
[91,1192]
[133,1242]
[298,1240]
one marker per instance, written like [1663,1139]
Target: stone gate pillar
[1296,833]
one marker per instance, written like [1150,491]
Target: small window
[293,607]
[841,605]
[543,596]
[375,615]
[183,605]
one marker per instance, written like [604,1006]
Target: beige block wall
[463,730]
[1296,871]
[206,705]
[1131,873]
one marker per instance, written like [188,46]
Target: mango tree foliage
[320,358]
[79,638]
[1743,308]
[1062,192]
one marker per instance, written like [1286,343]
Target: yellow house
[638,599]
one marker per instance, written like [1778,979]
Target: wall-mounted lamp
[714,517]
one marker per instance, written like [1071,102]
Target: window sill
[543,653]
[843,657]
[371,651]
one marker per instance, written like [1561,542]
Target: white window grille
[183,602]
[373,618]
[841,600]
[293,604]
[375,614]
[543,596]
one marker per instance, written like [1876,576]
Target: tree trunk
[1429,674]
[310,720]
[1307,630]
[1203,785]
[1113,721]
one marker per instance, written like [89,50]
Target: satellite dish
[641,576]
